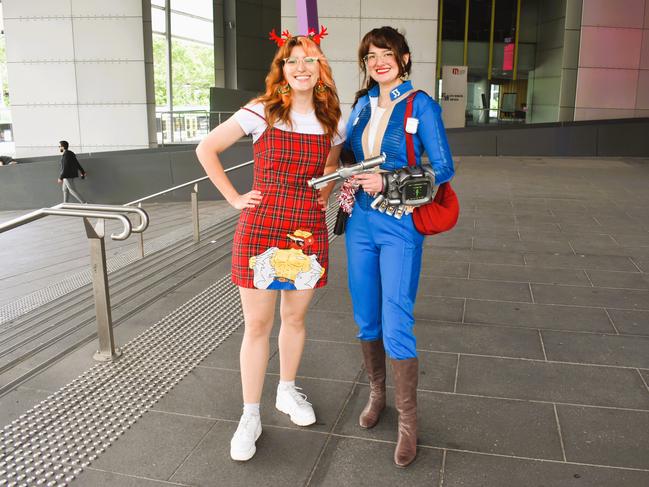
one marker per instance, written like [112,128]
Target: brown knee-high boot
[406,375]
[374,358]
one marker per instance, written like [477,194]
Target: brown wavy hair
[385,37]
[277,106]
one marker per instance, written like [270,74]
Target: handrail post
[141,238]
[108,349]
[197,231]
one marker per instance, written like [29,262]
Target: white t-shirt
[306,123]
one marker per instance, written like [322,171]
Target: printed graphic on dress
[288,269]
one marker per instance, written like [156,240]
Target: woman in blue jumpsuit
[383,252]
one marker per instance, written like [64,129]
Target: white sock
[286,383]
[251,408]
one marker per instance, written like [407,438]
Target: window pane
[193,74]
[158,20]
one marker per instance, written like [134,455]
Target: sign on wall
[453,100]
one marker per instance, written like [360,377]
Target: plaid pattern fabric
[284,162]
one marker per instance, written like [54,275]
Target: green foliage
[192,69]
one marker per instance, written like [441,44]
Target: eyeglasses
[373,58]
[293,61]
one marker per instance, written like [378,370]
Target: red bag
[441,214]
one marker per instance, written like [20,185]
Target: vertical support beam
[491,40]
[197,231]
[230,43]
[518,24]
[170,94]
[466,34]
[147,29]
[108,349]
[307,16]
[141,238]
[440,23]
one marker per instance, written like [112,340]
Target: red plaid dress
[284,162]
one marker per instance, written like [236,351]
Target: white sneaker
[294,403]
[242,445]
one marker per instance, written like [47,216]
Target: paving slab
[479,340]
[98,478]
[615,350]
[582,296]
[468,469]
[144,450]
[627,280]
[463,255]
[557,275]
[540,316]
[466,423]
[474,289]
[352,462]
[601,436]
[522,246]
[284,457]
[552,382]
[581,261]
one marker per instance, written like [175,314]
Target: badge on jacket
[411,125]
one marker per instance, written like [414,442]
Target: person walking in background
[384,248]
[70,169]
[281,241]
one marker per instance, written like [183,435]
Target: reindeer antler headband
[286,35]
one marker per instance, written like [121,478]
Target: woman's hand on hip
[247,200]
[372,183]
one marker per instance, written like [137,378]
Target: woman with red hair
[281,240]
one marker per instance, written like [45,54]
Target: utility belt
[405,189]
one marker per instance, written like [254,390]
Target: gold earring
[320,87]
[284,89]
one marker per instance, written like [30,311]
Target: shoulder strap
[410,146]
[253,112]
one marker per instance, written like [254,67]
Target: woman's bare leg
[258,312]
[292,334]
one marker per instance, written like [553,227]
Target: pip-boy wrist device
[410,186]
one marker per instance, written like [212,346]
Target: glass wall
[496,92]
[188,73]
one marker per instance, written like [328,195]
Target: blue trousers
[383,262]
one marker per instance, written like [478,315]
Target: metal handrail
[43,212]
[144,217]
[184,185]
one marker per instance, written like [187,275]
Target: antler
[275,38]
[318,37]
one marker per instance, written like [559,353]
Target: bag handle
[410,145]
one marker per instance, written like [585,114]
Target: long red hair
[278,105]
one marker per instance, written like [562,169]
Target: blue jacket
[430,136]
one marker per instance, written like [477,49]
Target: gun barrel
[345,172]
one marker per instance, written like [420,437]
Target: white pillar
[76,71]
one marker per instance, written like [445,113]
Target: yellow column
[491,39]
[466,33]
[439,41]
[518,23]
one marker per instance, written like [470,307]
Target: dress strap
[254,113]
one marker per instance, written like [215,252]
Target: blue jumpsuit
[384,253]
